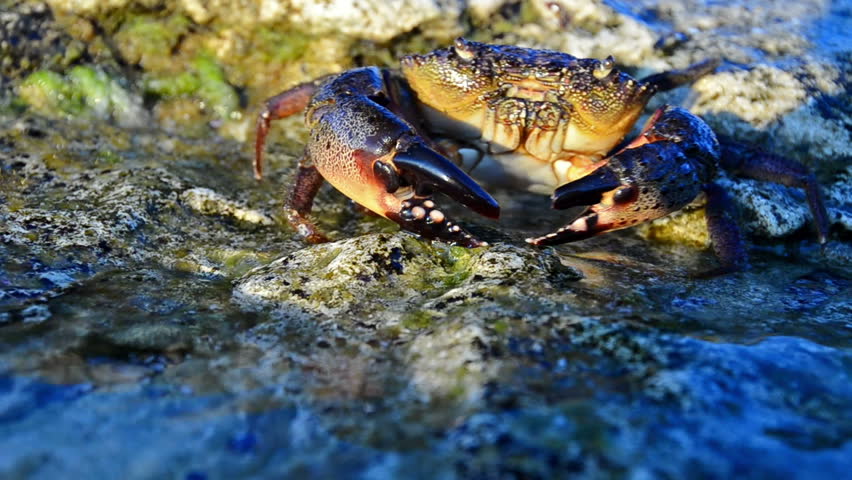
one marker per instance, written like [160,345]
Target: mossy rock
[388,270]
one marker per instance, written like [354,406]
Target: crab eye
[604,67]
[463,49]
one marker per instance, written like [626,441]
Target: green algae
[206,81]
[94,88]
[500,327]
[108,157]
[49,93]
[184,83]
[149,40]
[417,320]
[214,88]
[276,45]
[236,262]
[85,91]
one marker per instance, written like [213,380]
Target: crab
[537,120]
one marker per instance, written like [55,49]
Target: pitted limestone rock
[764,210]
[393,271]
[367,19]
[210,202]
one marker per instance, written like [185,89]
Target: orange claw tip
[585,226]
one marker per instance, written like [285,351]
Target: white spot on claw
[437,216]
[418,213]
[579,225]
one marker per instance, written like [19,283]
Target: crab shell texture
[539,118]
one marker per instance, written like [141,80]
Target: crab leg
[748,162]
[724,233]
[672,79]
[283,105]
[298,207]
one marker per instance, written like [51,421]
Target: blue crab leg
[724,233]
[751,163]
[672,79]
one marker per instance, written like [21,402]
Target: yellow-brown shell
[550,104]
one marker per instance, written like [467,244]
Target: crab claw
[428,171]
[613,203]
[587,190]
[366,151]
[602,216]
[659,173]
[412,175]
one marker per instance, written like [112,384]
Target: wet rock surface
[158,319]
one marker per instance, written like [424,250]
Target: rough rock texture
[391,273]
[159,320]
[364,19]
[30,39]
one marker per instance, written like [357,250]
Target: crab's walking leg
[298,207]
[748,162]
[282,105]
[674,78]
[724,233]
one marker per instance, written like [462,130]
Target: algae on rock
[383,272]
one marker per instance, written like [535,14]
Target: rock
[377,21]
[759,96]
[208,202]
[764,210]
[449,362]
[391,271]
[597,31]
[366,19]
[31,40]
[840,196]
[481,10]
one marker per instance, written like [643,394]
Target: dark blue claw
[586,190]
[428,171]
